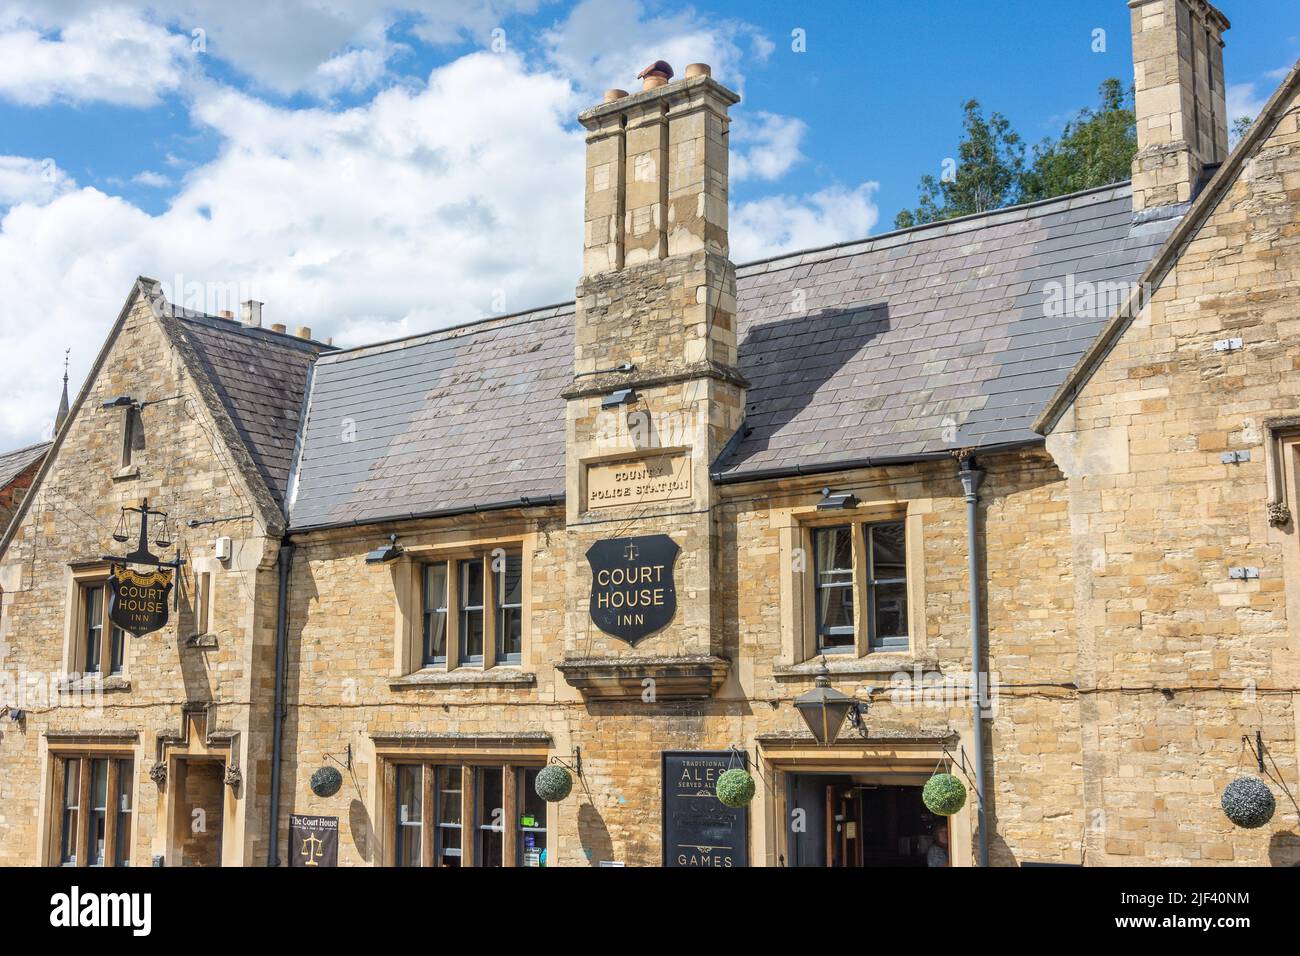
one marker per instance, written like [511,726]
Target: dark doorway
[841,820]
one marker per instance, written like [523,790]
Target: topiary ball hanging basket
[1248,802]
[735,788]
[944,794]
[554,783]
[326,781]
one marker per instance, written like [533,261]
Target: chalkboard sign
[698,829]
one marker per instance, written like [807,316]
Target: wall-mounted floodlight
[122,401]
[385,553]
[624,396]
[833,501]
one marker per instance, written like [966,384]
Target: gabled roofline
[1154,275]
[57,443]
[270,515]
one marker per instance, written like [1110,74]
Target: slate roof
[14,463]
[261,378]
[908,344]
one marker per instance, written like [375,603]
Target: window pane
[532,820]
[98,811]
[890,614]
[471,617]
[447,832]
[122,851]
[409,792]
[118,651]
[71,789]
[491,815]
[888,559]
[509,597]
[94,610]
[833,581]
[435,614]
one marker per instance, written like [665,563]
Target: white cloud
[419,209]
[778,224]
[1245,99]
[430,204]
[108,55]
[151,179]
[35,181]
[765,145]
[604,44]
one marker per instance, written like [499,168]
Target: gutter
[851,464]
[542,501]
[971,479]
[278,713]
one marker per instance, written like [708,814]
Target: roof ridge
[233,325]
[796,257]
[941,226]
[526,315]
[35,444]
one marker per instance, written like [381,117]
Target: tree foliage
[1096,148]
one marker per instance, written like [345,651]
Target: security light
[624,396]
[122,401]
[385,553]
[833,501]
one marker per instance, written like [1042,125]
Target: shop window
[480,815]
[102,645]
[94,810]
[471,610]
[859,588]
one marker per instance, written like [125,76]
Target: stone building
[1052,444]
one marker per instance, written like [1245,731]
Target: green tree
[1095,149]
[989,166]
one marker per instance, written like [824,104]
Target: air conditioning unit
[222,549]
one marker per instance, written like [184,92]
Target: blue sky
[380,169]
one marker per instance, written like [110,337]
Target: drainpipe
[971,478]
[277,715]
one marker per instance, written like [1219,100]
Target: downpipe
[277,714]
[971,479]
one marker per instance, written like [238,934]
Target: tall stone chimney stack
[1182,121]
[656,393]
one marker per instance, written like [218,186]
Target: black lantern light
[824,708]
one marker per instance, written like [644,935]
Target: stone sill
[114,684]
[201,640]
[465,677]
[694,677]
[880,664]
[127,474]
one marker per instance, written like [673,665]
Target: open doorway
[200,809]
[845,820]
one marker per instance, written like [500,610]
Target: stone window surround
[79,577]
[71,745]
[798,625]
[468,752]
[408,639]
[901,762]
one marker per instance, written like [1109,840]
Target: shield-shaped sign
[137,603]
[632,589]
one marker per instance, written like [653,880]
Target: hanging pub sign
[137,603]
[313,841]
[699,830]
[632,589]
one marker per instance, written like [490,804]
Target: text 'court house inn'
[521,592]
